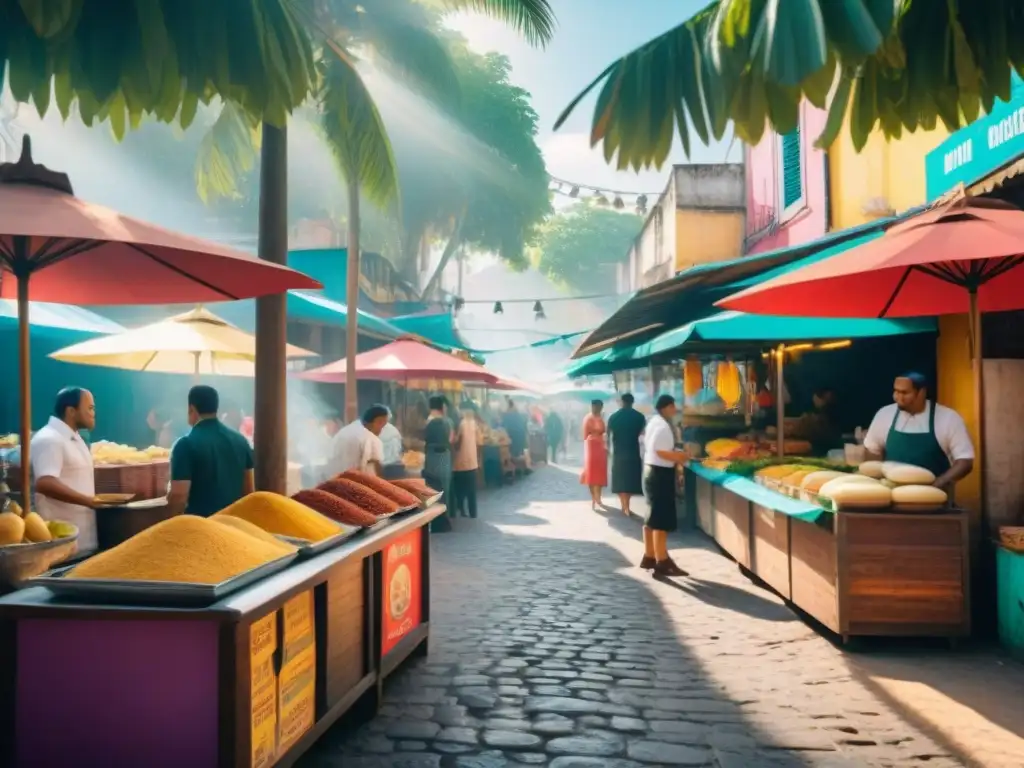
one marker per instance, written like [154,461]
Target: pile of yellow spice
[282,516]
[185,549]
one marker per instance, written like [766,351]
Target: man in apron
[915,430]
[660,459]
[438,437]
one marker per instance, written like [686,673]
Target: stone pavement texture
[550,648]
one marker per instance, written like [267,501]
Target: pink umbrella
[57,248]
[404,359]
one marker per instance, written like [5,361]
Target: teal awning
[692,293]
[65,317]
[436,327]
[315,308]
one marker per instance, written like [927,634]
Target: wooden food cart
[252,680]
[857,573]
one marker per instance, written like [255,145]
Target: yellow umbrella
[196,342]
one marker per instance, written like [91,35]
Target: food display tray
[309,548]
[399,512]
[431,501]
[159,593]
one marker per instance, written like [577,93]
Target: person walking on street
[625,427]
[465,464]
[554,428]
[438,437]
[595,454]
[661,458]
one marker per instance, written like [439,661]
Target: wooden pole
[24,369]
[352,302]
[271,388]
[780,400]
[978,376]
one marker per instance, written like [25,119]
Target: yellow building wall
[893,172]
[704,236]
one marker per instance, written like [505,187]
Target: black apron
[660,486]
[921,449]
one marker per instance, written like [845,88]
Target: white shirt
[658,436]
[465,459]
[950,430]
[391,439]
[354,447]
[58,451]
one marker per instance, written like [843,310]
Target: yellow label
[296,697]
[263,690]
[298,626]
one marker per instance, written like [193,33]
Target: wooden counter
[859,573]
[252,680]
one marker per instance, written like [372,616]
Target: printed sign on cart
[297,681]
[263,690]
[403,589]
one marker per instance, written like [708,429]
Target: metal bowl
[20,562]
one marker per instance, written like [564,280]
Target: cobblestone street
[550,648]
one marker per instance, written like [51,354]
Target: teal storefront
[978,150]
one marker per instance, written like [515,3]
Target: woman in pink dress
[595,454]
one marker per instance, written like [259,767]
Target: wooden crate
[770,555]
[732,524]
[704,494]
[125,478]
[813,572]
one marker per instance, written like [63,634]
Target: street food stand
[857,573]
[252,676]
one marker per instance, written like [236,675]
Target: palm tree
[396,33]
[901,64]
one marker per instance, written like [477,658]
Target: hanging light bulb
[575,191]
[641,205]
[498,309]
[458,303]
[537,307]
[618,204]
[600,199]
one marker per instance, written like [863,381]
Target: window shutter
[792,179]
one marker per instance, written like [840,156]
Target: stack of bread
[878,485]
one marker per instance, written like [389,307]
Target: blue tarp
[58,316]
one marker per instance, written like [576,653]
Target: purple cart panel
[116,693]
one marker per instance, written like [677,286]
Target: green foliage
[901,64]
[580,247]
[128,59]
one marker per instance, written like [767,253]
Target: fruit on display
[253,530]
[184,548]
[365,498]
[12,529]
[417,487]
[907,474]
[693,377]
[285,517]
[15,507]
[871,495]
[871,469]
[728,386]
[389,490]
[36,530]
[722,448]
[812,482]
[924,496]
[338,509]
[61,530]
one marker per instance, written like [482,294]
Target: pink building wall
[769,225]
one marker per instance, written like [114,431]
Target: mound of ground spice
[253,530]
[386,489]
[417,487]
[363,497]
[335,507]
[279,514]
[184,548]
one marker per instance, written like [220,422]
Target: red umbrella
[57,248]
[961,256]
[404,359]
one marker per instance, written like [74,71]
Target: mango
[12,529]
[36,529]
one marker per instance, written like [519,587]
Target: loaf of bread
[813,481]
[861,495]
[919,496]
[871,469]
[829,488]
[907,474]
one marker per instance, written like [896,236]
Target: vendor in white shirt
[358,445]
[65,486]
[660,459]
[915,430]
[391,438]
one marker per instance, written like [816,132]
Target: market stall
[269,621]
[864,565]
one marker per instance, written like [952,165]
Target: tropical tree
[396,34]
[482,185]
[897,65]
[580,247]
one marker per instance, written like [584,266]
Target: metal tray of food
[309,548]
[399,512]
[431,500]
[159,593]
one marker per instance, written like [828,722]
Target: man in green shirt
[211,466]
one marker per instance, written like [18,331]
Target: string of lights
[616,198]
[538,305]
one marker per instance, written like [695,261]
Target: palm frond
[534,19]
[227,153]
[355,132]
